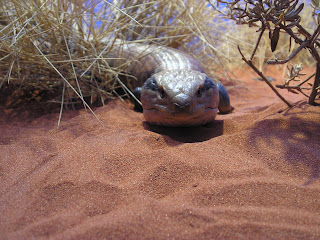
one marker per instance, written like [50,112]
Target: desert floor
[253,174]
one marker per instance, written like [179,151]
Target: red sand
[254,174]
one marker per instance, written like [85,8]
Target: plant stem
[257,44]
[302,46]
[249,62]
[315,86]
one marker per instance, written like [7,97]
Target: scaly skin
[175,89]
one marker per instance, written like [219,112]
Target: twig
[249,62]
[315,35]
[291,88]
[276,61]
[311,48]
[316,84]
[257,44]
[296,87]
[306,33]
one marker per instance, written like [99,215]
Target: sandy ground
[253,174]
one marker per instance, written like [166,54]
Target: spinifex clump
[60,48]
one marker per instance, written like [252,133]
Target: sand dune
[253,174]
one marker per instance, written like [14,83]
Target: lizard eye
[151,84]
[208,83]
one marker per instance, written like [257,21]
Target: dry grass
[56,46]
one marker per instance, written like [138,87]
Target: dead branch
[249,62]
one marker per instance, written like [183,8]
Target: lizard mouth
[178,111]
[180,119]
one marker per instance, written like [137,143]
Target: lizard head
[179,98]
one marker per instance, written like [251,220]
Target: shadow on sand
[177,135]
[295,135]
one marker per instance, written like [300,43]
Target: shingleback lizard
[175,89]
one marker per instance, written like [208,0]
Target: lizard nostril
[181,107]
[199,92]
[162,93]
[181,102]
